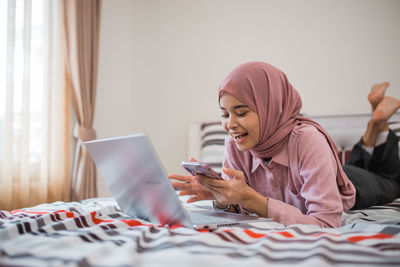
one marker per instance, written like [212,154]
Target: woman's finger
[179,186]
[233,173]
[187,193]
[183,178]
[195,199]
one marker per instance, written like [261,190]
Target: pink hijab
[267,91]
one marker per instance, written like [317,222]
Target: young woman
[281,165]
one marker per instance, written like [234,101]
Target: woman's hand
[190,186]
[235,191]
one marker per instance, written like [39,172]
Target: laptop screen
[137,180]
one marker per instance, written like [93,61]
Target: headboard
[206,138]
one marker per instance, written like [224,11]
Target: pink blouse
[299,182]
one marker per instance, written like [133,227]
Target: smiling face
[240,122]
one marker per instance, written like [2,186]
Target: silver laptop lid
[137,180]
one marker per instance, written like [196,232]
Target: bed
[95,232]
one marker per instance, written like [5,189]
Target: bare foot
[377,93]
[385,109]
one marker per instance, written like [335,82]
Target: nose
[231,124]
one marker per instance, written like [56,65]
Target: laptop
[134,174]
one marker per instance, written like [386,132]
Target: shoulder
[309,147]
[307,140]
[306,134]
[305,130]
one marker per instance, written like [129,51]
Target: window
[22,78]
[34,135]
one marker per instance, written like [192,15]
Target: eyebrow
[236,107]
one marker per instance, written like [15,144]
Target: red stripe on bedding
[175,226]
[253,234]
[128,222]
[134,223]
[27,211]
[285,234]
[361,238]
[69,214]
[97,220]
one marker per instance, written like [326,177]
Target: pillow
[212,144]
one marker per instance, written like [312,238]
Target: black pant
[376,177]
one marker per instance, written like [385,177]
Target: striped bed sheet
[95,232]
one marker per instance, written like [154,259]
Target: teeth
[238,136]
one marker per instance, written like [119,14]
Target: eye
[242,114]
[225,116]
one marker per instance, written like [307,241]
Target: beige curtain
[82,20]
[34,109]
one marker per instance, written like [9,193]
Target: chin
[242,148]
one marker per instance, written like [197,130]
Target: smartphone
[195,167]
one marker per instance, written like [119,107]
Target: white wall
[161,61]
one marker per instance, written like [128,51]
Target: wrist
[257,203]
[249,198]
[220,207]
